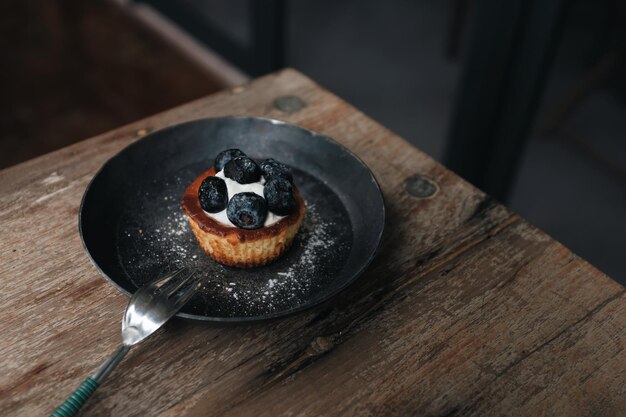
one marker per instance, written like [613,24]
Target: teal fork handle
[78,398]
[71,406]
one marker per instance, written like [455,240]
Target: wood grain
[467,311]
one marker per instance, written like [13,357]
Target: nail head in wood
[289,104]
[419,186]
[322,345]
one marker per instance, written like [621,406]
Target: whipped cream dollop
[233,188]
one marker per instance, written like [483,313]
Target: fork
[148,309]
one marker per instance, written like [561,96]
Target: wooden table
[467,310]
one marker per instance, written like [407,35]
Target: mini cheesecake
[245,246]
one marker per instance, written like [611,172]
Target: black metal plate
[133,228]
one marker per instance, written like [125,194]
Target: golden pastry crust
[237,247]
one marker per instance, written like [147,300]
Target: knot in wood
[142,132]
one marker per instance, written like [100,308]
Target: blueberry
[213,194]
[274,169]
[225,157]
[280,196]
[243,170]
[247,210]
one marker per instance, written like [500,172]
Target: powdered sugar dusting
[317,239]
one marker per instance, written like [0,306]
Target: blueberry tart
[244,213]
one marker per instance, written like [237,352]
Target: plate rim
[273,315]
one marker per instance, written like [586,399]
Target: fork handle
[75,401]
[79,397]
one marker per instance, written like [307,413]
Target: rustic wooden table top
[467,310]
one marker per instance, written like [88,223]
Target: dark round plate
[134,230]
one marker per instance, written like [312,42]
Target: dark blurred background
[524,98]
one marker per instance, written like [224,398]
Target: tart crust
[237,247]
